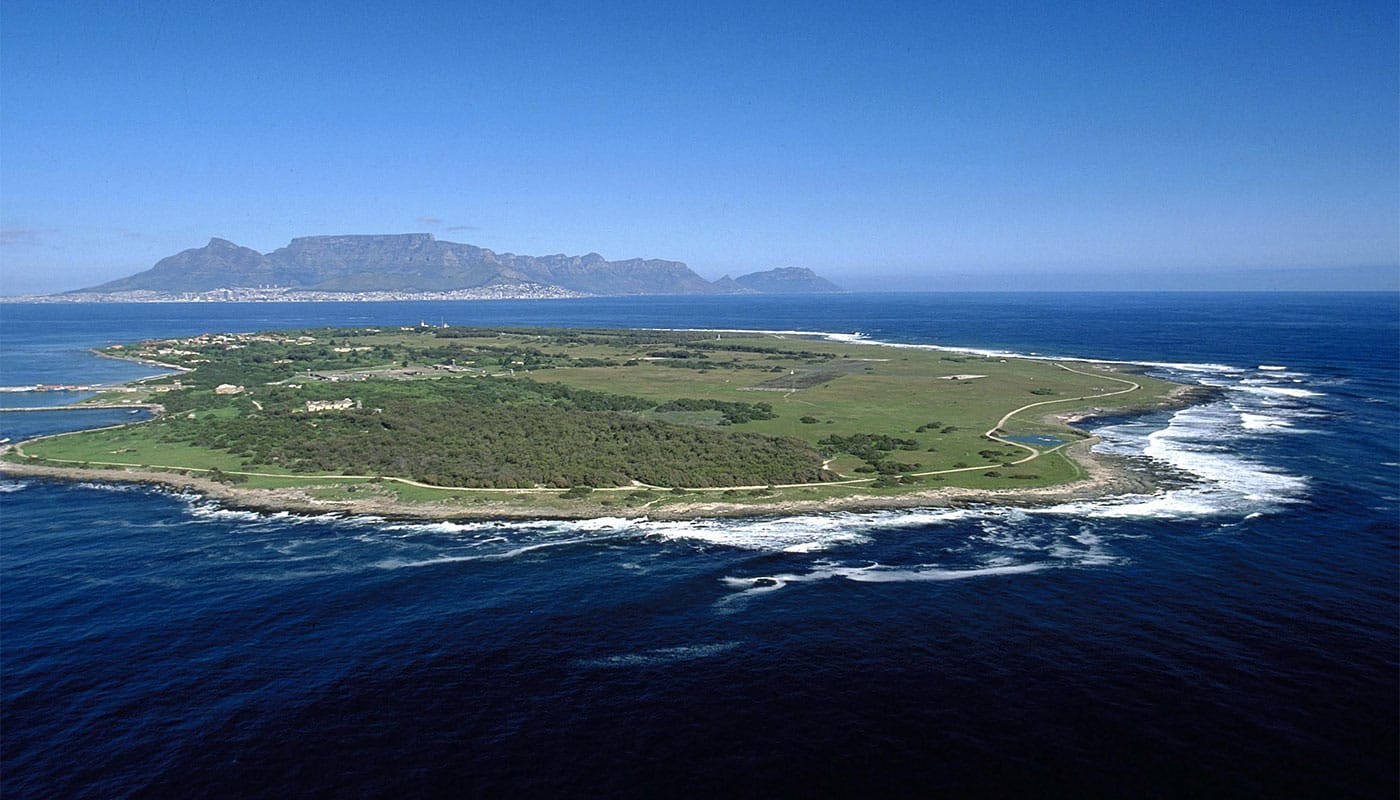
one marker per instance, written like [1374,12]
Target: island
[437,421]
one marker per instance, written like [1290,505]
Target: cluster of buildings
[345,404]
[229,341]
[519,291]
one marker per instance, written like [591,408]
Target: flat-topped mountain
[417,262]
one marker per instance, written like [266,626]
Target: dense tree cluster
[733,413]
[874,449]
[869,446]
[494,433]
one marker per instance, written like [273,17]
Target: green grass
[131,446]
[861,389]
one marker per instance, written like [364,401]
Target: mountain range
[417,262]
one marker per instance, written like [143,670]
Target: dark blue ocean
[1237,636]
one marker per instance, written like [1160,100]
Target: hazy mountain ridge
[418,262]
[787,280]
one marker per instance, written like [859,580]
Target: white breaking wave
[1201,443]
[7,487]
[457,528]
[1266,422]
[810,533]
[111,487]
[1197,442]
[803,534]
[1208,444]
[1277,391]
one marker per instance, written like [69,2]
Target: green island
[445,422]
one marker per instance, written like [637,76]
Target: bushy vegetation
[869,446]
[733,413]
[495,433]
[874,449]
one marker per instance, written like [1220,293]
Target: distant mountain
[211,266]
[787,280]
[728,285]
[417,262]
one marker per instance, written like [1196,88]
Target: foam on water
[810,533]
[938,547]
[110,487]
[1205,444]
[7,487]
[802,534]
[748,588]
[660,656]
[1267,422]
[214,512]
[405,563]
[445,527]
[495,548]
[1276,391]
[1180,504]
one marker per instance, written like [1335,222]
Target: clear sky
[917,145]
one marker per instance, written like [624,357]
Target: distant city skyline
[884,145]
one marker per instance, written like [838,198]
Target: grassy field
[879,419]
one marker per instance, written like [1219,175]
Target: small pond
[1042,440]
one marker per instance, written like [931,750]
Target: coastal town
[282,294]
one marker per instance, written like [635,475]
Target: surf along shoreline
[1101,476]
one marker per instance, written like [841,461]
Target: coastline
[146,361]
[1105,477]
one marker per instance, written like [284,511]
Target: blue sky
[887,145]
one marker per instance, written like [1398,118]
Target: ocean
[1235,636]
